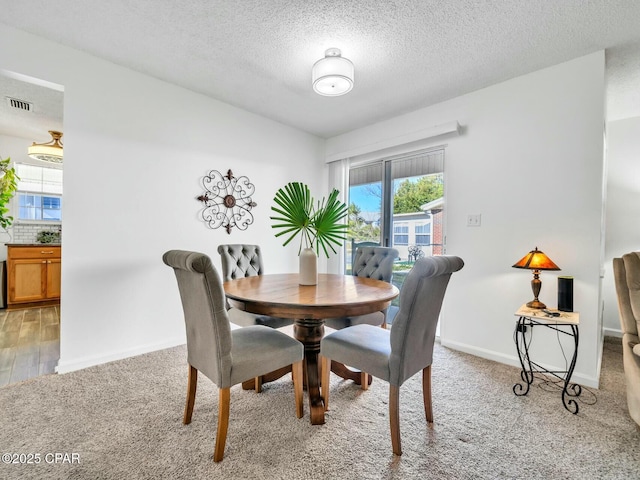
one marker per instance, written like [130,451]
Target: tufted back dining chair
[239,261]
[396,355]
[370,262]
[374,262]
[225,355]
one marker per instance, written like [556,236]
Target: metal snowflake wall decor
[227,201]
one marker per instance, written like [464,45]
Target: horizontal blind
[420,164]
[412,165]
[365,174]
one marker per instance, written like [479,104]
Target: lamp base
[536,304]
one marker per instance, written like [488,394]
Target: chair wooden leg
[364,380]
[192,383]
[325,381]
[223,423]
[296,374]
[258,386]
[394,418]
[426,393]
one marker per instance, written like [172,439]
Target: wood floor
[29,343]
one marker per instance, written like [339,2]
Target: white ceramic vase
[308,267]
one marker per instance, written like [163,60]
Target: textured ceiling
[45,110]
[257,54]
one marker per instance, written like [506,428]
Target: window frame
[46,190]
[424,225]
[404,227]
[18,208]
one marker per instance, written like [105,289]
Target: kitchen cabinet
[33,274]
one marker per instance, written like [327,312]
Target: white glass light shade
[48,152]
[332,75]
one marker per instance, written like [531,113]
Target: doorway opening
[29,307]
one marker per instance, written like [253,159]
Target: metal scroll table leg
[310,332]
[569,403]
[523,354]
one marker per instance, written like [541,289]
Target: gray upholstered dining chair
[226,356]
[397,354]
[239,261]
[370,262]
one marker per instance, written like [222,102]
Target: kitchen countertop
[32,244]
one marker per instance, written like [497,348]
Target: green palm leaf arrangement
[318,223]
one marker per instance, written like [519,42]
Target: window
[423,234]
[400,234]
[39,196]
[39,207]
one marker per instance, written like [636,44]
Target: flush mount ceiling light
[332,75]
[48,152]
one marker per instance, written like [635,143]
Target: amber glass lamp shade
[536,260]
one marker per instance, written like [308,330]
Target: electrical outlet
[473,220]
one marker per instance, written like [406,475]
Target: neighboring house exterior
[435,209]
[423,229]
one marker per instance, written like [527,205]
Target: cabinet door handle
[44,261]
[42,251]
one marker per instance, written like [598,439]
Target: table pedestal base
[345,372]
[309,333]
[266,378]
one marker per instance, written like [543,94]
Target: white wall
[623,207]
[135,151]
[529,160]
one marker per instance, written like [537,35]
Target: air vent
[19,104]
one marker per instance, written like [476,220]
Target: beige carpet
[124,421]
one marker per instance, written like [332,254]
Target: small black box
[565,294]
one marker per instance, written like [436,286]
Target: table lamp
[536,260]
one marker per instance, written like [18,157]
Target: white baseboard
[612,332]
[90,361]
[515,361]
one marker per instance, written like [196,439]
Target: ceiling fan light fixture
[48,152]
[332,75]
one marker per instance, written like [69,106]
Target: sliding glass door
[398,202]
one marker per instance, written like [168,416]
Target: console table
[565,323]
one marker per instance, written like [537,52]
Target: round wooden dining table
[281,295]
